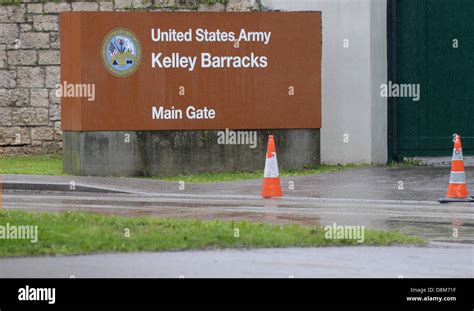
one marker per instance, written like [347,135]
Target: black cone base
[449,200]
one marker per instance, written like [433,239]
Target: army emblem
[121,52]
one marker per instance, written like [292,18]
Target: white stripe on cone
[271,167]
[457,178]
[457,155]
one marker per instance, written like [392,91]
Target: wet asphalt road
[326,262]
[432,221]
[371,197]
[382,183]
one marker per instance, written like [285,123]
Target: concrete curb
[63,187]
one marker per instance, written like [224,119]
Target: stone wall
[30,112]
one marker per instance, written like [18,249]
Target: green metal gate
[431,42]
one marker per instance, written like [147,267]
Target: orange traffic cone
[271,178]
[457,190]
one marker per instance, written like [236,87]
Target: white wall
[351,77]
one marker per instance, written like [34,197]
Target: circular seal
[121,52]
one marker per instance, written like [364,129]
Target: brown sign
[178,71]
